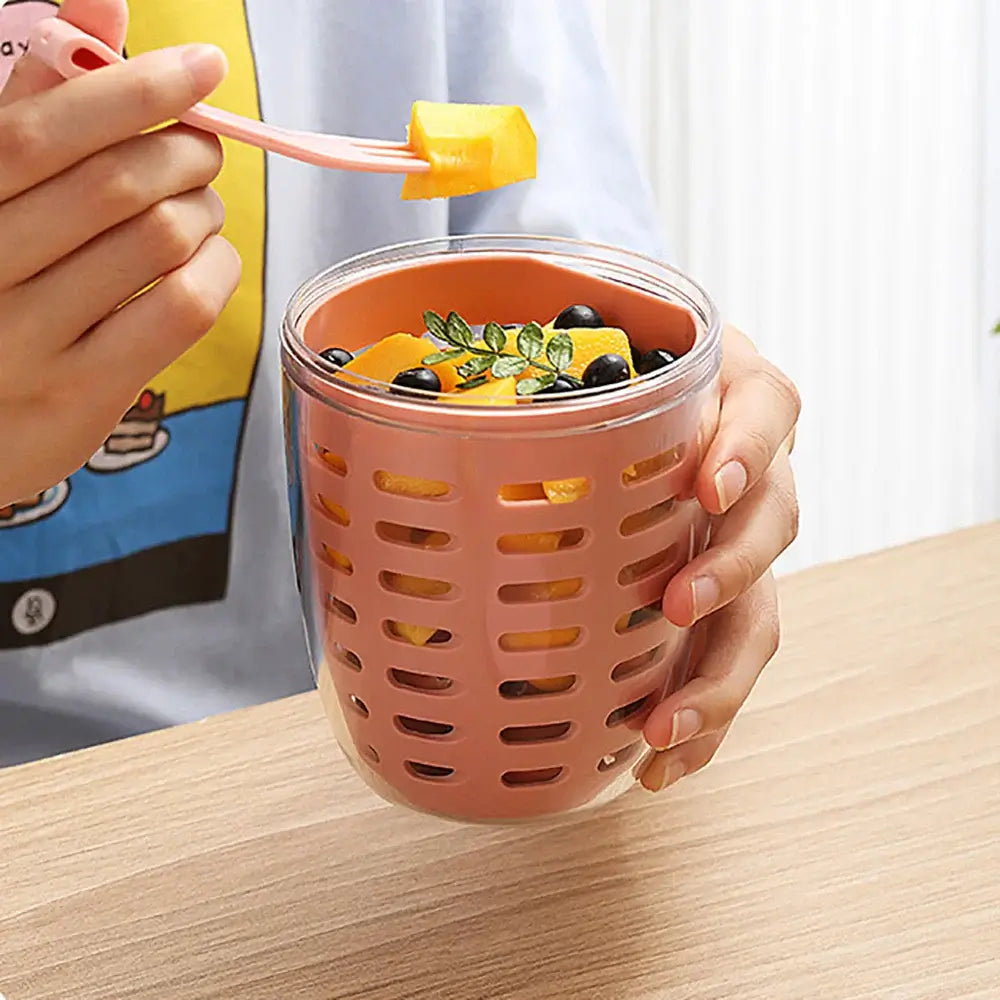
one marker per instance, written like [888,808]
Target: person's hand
[93,213]
[746,481]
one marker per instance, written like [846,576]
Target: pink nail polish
[730,482]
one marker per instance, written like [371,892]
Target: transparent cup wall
[482,652]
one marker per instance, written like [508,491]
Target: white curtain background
[831,173]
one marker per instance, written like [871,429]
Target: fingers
[744,545]
[741,639]
[46,133]
[112,268]
[103,19]
[51,220]
[760,406]
[139,340]
[665,769]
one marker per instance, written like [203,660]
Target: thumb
[104,19]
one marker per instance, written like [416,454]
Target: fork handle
[72,52]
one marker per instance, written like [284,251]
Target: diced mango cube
[470,147]
[416,635]
[409,486]
[498,392]
[566,490]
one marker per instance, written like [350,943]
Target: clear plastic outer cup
[484,653]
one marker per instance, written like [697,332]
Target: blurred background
[830,172]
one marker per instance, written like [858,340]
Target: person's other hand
[728,591]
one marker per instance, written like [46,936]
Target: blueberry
[653,361]
[337,356]
[606,370]
[418,378]
[561,384]
[573,317]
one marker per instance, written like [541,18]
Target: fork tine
[381,144]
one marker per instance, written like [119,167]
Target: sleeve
[545,56]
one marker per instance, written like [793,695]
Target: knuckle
[120,189]
[169,233]
[147,90]
[22,138]
[769,626]
[786,504]
[196,310]
[784,388]
[742,570]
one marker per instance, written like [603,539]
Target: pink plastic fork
[71,52]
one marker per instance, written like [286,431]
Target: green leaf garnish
[559,351]
[530,341]
[459,332]
[495,336]
[508,365]
[436,359]
[436,326]
[529,386]
[996,329]
[476,366]
[491,353]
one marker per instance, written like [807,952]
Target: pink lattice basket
[548,649]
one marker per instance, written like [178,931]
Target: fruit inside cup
[503,365]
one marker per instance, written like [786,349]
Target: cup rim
[308,370]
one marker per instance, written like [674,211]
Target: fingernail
[199,58]
[730,482]
[705,595]
[686,723]
[662,773]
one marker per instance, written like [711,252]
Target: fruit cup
[486,652]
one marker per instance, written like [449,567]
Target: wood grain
[845,844]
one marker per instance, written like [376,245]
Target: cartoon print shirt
[156,584]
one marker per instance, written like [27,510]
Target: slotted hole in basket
[553,491]
[371,753]
[429,683]
[639,570]
[411,536]
[346,656]
[423,727]
[333,460]
[643,519]
[335,511]
[540,541]
[645,615]
[619,758]
[413,586]
[636,664]
[630,713]
[430,772]
[550,638]
[359,706]
[410,486]
[535,734]
[540,685]
[343,609]
[534,776]
[417,635]
[548,590]
[337,559]
[646,468]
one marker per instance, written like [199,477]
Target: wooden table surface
[845,845]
